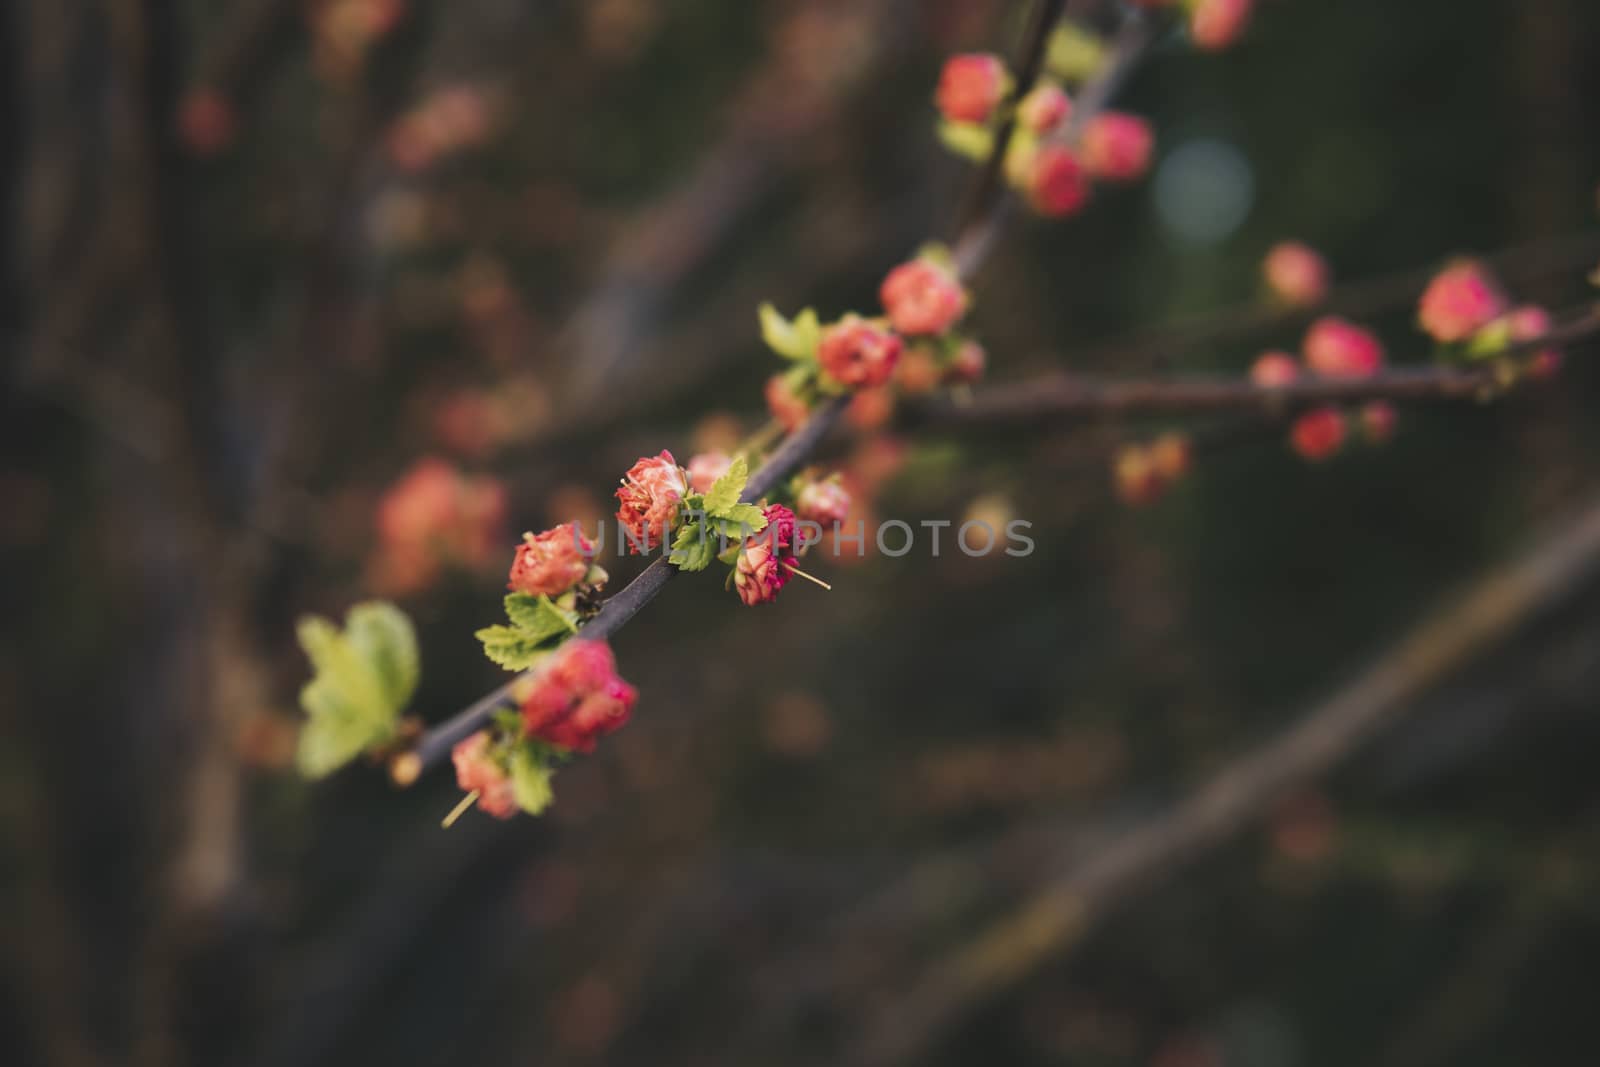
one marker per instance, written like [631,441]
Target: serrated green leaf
[539,616]
[512,648]
[694,548]
[530,780]
[362,678]
[967,139]
[748,516]
[791,340]
[724,493]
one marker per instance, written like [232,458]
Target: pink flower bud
[1057,185]
[1318,433]
[1274,370]
[971,87]
[823,502]
[785,404]
[550,563]
[762,569]
[856,353]
[1335,348]
[477,770]
[1378,421]
[578,698]
[705,468]
[1528,323]
[650,494]
[1296,274]
[968,364]
[1116,147]
[1459,301]
[1216,24]
[1044,108]
[922,297]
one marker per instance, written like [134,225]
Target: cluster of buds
[1465,309]
[574,698]
[916,345]
[1142,473]
[448,121]
[436,516]
[1333,348]
[1050,160]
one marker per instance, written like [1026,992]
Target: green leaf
[1074,54]
[383,635]
[362,678]
[512,648]
[725,490]
[750,516]
[539,616]
[792,340]
[694,548]
[967,139]
[530,780]
[1492,340]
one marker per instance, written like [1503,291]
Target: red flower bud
[1335,348]
[1459,302]
[1318,433]
[856,353]
[1057,185]
[762,569]
[1216,24]
[477,770]
[1296,274]
[1274,370]
[971,87]
[705,468]
[552,562]
[578,698]
[649,496]
[922,297]
[1116,147]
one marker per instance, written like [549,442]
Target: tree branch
[1061,396]
[407,766]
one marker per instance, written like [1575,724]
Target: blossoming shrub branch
[567,693]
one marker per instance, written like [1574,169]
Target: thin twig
[1060,396]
